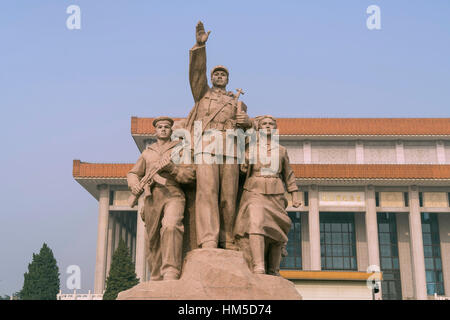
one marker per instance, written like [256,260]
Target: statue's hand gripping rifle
[151,177]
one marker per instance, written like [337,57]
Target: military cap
[220,67]
[156,120]
[258,120]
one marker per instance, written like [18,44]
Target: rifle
[149,178]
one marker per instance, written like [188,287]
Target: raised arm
[197,64]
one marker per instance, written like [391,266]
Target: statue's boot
[274,258]
[229,245]
[257,250]
[209,245]
[171,275]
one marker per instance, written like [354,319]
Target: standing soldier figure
[217,183]
[164,201]
[262,214]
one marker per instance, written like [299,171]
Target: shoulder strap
[212,116]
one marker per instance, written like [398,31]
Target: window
[387,239]
[294,245]
[406,198]
[337,241]
[111,197]
[432,253]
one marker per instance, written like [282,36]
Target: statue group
[238,198]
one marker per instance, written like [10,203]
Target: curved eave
[91,184]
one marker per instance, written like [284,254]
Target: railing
[79,296]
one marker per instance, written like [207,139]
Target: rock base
[215,274]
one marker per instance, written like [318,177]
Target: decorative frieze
[341,198]
[392,199]
[435,199]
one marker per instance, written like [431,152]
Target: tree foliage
[121,274]
[41,282]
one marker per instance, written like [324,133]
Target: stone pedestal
[215,274]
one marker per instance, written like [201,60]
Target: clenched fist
[135,189]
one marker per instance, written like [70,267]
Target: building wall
[345,152]
[333,152]
[333,290]
[120,224]
[447,151]
[373,152]
[420,152]
[377,152]
[403,231]
[295,151]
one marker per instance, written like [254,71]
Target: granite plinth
[215,274]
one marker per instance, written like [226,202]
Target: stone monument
[204,240]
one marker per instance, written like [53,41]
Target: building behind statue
[375,192]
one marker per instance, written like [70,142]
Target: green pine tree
[121,273]
[41,282]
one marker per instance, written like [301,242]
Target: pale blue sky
[68,95]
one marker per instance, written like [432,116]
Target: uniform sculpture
[217,264]
[262,214]
[217,184]
[164,202]
[220,221]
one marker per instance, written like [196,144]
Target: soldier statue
[262,215]
[217,183]
[164,201]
